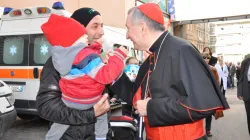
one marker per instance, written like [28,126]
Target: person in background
[243,87]
[132,60]
[232,71]
[213,60]
[208,120]
[127,109]
[228,69]
[116,45]
[238,69]
[222,70]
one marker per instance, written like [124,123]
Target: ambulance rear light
[43,10]
[7,10]
[58,6]
[16,13]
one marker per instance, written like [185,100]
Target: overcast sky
[200,9]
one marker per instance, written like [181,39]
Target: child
[83,74]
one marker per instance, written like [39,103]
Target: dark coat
[213,61]
[243,83]
[181,82]
[238,70]
[51,108]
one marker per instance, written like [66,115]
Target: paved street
[231,127]
[27,130]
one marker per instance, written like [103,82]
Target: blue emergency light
[7,10]
[58,6]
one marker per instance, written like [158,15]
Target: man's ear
[143,28]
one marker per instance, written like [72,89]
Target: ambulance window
[13,50]
[41,49]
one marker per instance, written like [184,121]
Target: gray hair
[138,16]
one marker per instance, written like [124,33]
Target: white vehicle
[7,110]
[24,50]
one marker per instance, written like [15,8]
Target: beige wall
[113,11]
[197,34]
[128,4]
[189,33]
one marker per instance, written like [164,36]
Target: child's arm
[105,73]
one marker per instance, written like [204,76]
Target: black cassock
[180,80]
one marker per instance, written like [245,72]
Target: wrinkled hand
[102,106]
[141,107]
[240,97]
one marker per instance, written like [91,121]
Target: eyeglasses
[206,57]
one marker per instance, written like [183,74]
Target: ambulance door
[38,55]
[14,66]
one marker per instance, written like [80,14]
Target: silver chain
[146,90]
[160,50]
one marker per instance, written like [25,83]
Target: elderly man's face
[95,29]
[134,33]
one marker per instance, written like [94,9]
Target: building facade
[231,40]
[212,37]
[114,12]
[197,34]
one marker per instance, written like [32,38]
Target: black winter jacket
[51,108]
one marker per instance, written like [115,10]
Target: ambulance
[24,50]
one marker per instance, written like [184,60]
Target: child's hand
[110,53]
[123,49]
[107,55]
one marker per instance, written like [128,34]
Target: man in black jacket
[238,70]
[49,104]
[243,87]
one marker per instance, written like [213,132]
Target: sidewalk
[234,125]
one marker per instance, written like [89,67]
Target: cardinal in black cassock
[181,88]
